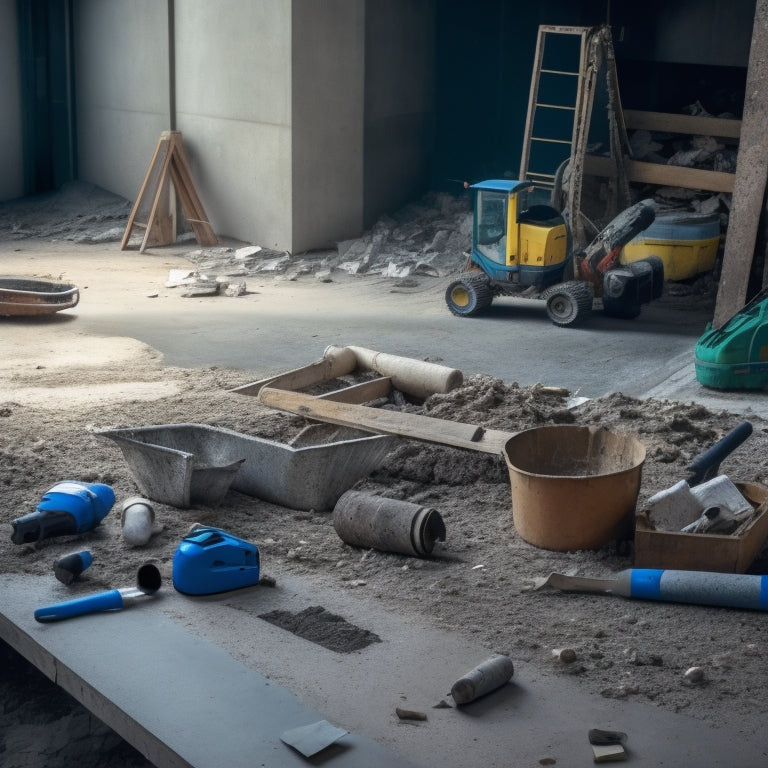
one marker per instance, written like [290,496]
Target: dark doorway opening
[46,94]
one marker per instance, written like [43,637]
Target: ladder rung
[551,141]
[559,72]
[556,106]
[540,175]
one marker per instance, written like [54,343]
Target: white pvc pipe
[415,377]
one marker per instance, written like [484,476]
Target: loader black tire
[569,303]
[469,295]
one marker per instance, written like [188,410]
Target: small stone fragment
[694,675]
[409,714]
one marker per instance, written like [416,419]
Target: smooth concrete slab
[179,700]
[206,682]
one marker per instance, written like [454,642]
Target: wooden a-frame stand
[168,173]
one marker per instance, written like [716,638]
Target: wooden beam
[697,125]
[663,175]
[412,425]
[358,394]
[299,378]
[751,176]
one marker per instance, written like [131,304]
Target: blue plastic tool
[69,567]
[148,581]
[70,507]
[210,560]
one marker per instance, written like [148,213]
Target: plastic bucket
[573,487]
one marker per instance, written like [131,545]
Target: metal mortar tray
[189,465]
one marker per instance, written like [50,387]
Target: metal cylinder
[484,678]
[364,520]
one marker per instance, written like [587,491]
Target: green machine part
[735,356]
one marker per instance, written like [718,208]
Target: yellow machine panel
[543,246]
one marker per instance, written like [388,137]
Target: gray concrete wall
[399,102]
[233,99]
[11,159]
[121,71]
[328,63]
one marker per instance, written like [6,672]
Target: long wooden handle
[413,425]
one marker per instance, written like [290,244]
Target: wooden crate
[704,551]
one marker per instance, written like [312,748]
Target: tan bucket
[573,487]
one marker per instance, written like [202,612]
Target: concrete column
[327,118]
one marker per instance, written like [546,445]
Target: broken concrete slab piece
[236,289]
[247,252]
[409,714]
[313,738]
[673,508]
[200,288]
[609,753]
[177,277]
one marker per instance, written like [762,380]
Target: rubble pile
[428,237]
[702,152]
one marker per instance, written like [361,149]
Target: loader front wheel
[469,295]
[569,303]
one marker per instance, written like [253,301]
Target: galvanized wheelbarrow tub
[188,465]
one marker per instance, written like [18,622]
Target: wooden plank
[361,393]
[412,425]
[663,175]
[751,176]
[163,227]
[697,125]
[194,211]
[163,145]
[299,378]
[156,200]
[203,232]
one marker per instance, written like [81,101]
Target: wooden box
[704,551]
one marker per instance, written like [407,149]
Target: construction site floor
[204,682]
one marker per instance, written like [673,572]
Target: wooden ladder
[596,65]
[168,176]
[542,126]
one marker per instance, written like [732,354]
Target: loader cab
[515,240]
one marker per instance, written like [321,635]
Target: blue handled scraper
[730,590]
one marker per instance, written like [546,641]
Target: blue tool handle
[104,601]
[731,590]
[706,465]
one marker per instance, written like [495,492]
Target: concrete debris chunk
[236,289]
[177,277]
[687,158]
[200,288]
[247,252]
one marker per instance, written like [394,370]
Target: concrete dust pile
[477,583]
[80,212]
